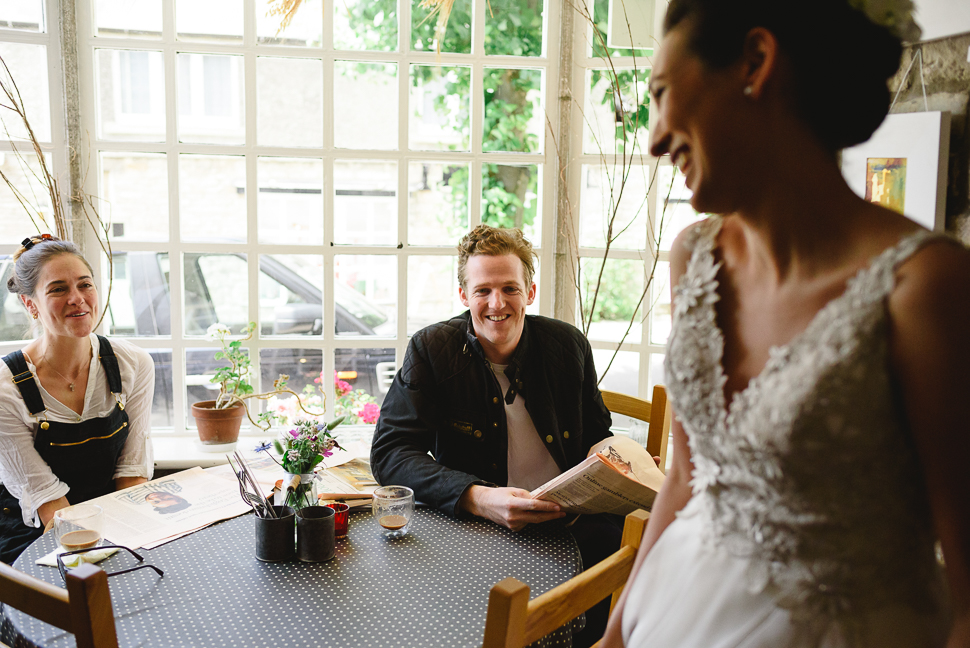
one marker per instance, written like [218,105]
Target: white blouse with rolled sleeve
[22,470]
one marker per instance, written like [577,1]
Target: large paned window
[314,181]
[31,54]
[627,206]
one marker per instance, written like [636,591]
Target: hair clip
[29,241]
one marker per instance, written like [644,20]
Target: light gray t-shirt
[530,464]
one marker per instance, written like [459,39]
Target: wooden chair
[513,621]
[657,413]
[84,609]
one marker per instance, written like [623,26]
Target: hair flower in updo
[894,15]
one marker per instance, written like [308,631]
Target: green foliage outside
[619,289]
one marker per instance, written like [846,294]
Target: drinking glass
[79,527]
[394,507]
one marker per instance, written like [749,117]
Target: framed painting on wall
[903,166]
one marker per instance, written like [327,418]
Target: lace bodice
[811,472]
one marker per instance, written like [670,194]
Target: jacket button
[549,439]
[518,383]
[565,435]
[494,425]
[44,425]
[494,466]
[478,434]
[6,511]
[495,399]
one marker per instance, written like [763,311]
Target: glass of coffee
[393,506]
[79,527]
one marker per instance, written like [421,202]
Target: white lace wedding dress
[808,524]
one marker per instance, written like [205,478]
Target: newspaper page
[350,480]
[170,506]
[618,477]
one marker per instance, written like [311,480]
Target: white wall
[941,18]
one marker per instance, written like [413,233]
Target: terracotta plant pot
[218,426]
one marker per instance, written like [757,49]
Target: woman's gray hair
[30,260]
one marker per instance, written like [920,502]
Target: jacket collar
[516,363]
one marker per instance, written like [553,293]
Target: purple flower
[294,434]
[313,438]
[263,447]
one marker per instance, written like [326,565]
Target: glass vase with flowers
[301,450]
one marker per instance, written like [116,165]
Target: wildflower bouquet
[302,449]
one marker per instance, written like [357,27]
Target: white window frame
[170,47]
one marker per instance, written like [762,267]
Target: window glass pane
[131,95]
[439,108]
[616,122]
[597,45]
[14,321]
[362,379]
[365,204]
[24,172]
[210,88]
[303,367]
[365,295]
[660,314]
[510,198]
[437,203]
[365,110]
[200,366]
[613,208]
[458,37]
[128,19]
[617,307]
[656,372]
[134,195]
[290,202]
[162,400]
[139,303]
[620,375]
[289,100]
[290,301]
[514,27]
[674,205]
[212,198]
[365,25]
[23,15]
[305,28]
[514,119]
[28,69]
[215,291]
[213,20]
[432,291]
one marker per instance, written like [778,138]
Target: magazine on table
[619,476]
[350,480]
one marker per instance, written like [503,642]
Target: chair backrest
[514,621]
[84,609]
[656,412]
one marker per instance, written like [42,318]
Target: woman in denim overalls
[74,409]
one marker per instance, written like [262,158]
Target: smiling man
[502,401]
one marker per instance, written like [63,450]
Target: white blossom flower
[217,331]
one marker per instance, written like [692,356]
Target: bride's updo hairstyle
[841,59]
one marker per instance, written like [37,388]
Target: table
[427,589]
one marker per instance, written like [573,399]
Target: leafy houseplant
[302,449]
[219,420]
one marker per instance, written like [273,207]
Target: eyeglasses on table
[63,569]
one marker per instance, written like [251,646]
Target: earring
[34,315]
[748,91]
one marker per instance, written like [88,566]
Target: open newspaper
[618,476]
[150,514]
[348,481]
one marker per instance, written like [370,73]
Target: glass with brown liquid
[393,506]
[79,527]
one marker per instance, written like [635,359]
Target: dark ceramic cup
[274,537]
[314,534]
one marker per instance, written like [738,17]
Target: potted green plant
[219,420]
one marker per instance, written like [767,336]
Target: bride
[819,365]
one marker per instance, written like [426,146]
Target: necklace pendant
[71,386]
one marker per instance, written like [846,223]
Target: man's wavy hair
[495,241]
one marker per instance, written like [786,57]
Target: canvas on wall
[903,166]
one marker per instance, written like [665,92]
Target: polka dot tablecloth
[427,589]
